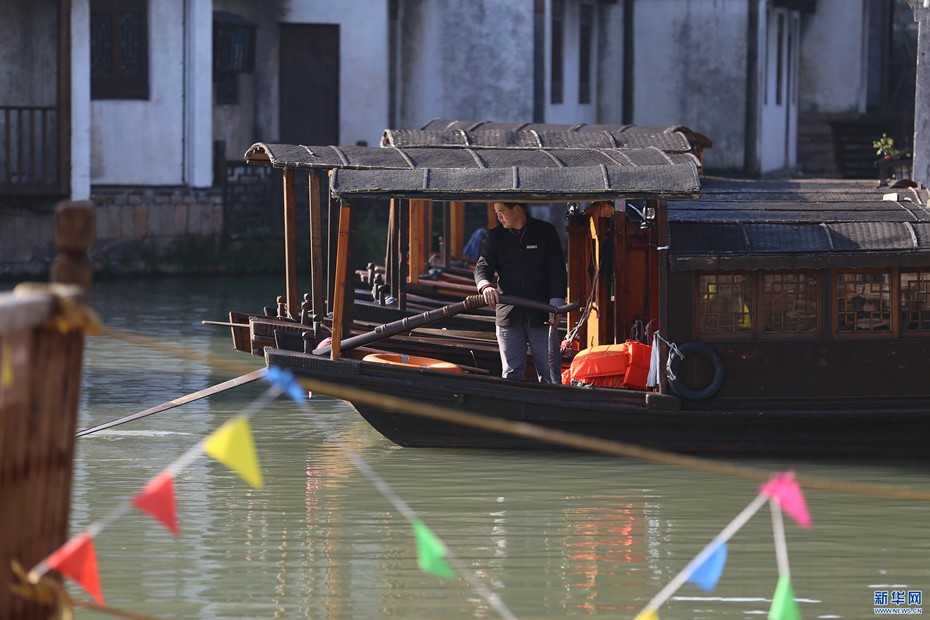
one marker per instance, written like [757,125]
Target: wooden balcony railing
[30,150]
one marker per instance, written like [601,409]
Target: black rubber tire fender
[674,366]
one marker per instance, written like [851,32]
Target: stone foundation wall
[138,230]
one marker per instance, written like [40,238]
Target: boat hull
[383,396]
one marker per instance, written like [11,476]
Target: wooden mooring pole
[42,328]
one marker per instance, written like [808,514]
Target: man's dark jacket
[531,266]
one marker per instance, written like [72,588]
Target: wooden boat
[802,308]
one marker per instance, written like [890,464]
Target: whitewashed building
[145,107]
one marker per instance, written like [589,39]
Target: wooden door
[309,84]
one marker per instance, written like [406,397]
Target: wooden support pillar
[621,317]
[317,266]
[344,292]
[332,230]
[416,258]
[447,235]
[290,246]
[662,277]
[403,239]
[456,240]
[579,244]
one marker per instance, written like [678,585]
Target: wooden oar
[183,400]
[431,316]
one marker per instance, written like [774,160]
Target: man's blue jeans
[513,342]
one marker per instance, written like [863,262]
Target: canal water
[553,535]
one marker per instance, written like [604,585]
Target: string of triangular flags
[232,445]
[782,492]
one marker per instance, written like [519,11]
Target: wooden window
[914,308]
[790,302]
[119,56]
[725,304]
[585,33]
[557,68]
[863,301]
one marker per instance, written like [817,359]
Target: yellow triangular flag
[647,614]
[231,444]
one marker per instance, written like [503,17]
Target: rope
[531,431]
[69,313]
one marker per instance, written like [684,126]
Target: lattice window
[725,303]
[863,301]
[790,302]
[119,55]
[915,301]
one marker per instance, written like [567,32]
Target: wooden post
[578,251]
[317,267]
[662,260]
[390,253]
[921,171]
[415,262]
[456,240]
[290,246]
[40,378]
[447,234]
[621,313]
[343,294]
[492,217]
[403,237]
[74,235]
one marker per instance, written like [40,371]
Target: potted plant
[893,163]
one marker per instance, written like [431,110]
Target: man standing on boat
[526,254]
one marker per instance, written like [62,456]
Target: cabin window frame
[893,305]
[699,293]
[757,307]
[817,298]
[905,331]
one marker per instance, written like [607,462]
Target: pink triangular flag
[157,499]
[77,560]
[785,490]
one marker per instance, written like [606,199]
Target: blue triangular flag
[708,573]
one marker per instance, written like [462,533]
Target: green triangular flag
[430,552]
[784,607]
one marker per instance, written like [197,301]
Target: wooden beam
[662,260]
[456,240]
[290,245]
[340,323]
[403,237]
[447,235]
[578,252]
[415,262]
[317,267]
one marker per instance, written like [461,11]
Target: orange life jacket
[623,365]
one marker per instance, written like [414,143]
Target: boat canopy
[487,134]
[367,158]
[522,183]
[797,225]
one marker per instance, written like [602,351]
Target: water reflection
[554,535]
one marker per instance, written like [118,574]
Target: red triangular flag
[77,560]
[157,499]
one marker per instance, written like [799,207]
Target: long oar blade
[183,400]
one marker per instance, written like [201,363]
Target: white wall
[142,142]
[363,62]
[466,60]
[570,110]
[690,69]
[833,53]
